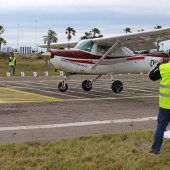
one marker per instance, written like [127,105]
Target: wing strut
[105,54]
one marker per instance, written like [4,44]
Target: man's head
[12,54]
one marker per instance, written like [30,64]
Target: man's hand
[160,61]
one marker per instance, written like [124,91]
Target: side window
[112,53]
[101,49]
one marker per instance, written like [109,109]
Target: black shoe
[152,152]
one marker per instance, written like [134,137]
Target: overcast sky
[27,21]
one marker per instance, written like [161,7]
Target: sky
[27,21]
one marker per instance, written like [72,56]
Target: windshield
[85,45]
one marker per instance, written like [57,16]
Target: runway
[33,109]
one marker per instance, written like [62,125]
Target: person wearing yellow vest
[12,63]
[162,72]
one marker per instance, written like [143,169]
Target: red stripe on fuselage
[78,54]
[80,61]
[136,58]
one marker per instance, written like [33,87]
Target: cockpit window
[85,45]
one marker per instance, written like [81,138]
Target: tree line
[94,33]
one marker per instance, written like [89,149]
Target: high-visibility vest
[12,61]
[164,89]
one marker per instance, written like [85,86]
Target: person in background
[162,72]
[12,63]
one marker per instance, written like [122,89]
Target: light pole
[35,35]
[18,39]
[162,46]
[132,28]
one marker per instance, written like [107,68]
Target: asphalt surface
[32,109]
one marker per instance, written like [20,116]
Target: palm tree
[91,34]
[127,30]
[53,37]
[140,30]
[2,41]
[1,29]
[86,36]
[95,31]
[158,27]
[70,31]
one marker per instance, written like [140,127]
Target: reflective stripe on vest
[12,63]
[164,90]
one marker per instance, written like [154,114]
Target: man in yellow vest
[162,72]
[12,63]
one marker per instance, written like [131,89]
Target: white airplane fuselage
[120,64]
[89,57]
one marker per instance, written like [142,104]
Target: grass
[125,151]
[28,66]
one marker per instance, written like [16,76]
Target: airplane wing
[143,40]
[60,45]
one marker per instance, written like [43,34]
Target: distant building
[25,50]
[6,49]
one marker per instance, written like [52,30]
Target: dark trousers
[162,123]
[11,67]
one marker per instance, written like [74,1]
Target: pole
[35,35]
[18,39]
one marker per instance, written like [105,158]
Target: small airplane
[106,56]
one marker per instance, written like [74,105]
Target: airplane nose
[47,55]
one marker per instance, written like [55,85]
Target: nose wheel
[62,86]
[117,86]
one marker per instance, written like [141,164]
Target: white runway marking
[76,124]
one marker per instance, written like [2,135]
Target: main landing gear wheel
[62,86]
[86,85]
[117,86]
